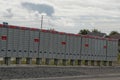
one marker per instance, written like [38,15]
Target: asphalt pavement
[58,73]
[83,77]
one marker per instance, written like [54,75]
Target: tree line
[86,31]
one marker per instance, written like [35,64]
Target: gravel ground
[20,72]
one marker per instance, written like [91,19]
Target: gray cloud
[8,13]
[41,8]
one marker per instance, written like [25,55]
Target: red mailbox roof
[34,29]
[1,25]
[11,26]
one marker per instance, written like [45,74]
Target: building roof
[97,34]
[116,36]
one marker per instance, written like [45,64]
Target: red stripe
[61,33]
[23,28]
[85,36]
[69,34]
[36,40]
[92,37]
[86,45]
[110,39]
[1,25]
[77,34]
[12,27]
[63,43]
[43,30]
[54,32]
[98,37]
[34,29]
[4,37]
[105,47]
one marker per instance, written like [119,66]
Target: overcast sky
[63,15]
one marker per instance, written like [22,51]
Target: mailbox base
[86,62]
[56,61]
[7,60]
[64,62]
[92,63]
[72,62]
[38,61]
[47,62]
[79,62]
[104,63]
[98,63]
[18,60]
[110,63]
[28,60]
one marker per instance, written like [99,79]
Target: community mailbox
[61,45]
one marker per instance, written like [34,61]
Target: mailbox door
[85,48]
[26,43]
[16,42]
[36,42]
[61,46]
[21,43]
[46,44]
[42,42]
[10,42]
[4,37]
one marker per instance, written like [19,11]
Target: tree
[84,31]
[96,31]
[113,33]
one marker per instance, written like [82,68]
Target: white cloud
[68,16]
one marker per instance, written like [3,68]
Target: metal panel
[100,52]
[44,44]
[114,51]
[41,45]
[26,42]
[101,49]
[78,46]
[96,49]
[3,41]
[92,48]
[67,46]
[53,50]
[47,44]
[73,46]
[16,42]
[61,46]
[33,43]
[36,44]
[104,50]
[109,50]
[10,42]
[85,48]
[71,51]
[21,42]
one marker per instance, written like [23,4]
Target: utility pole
[41,21]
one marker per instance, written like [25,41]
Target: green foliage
[113,33]
[84,31]
[96,31]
